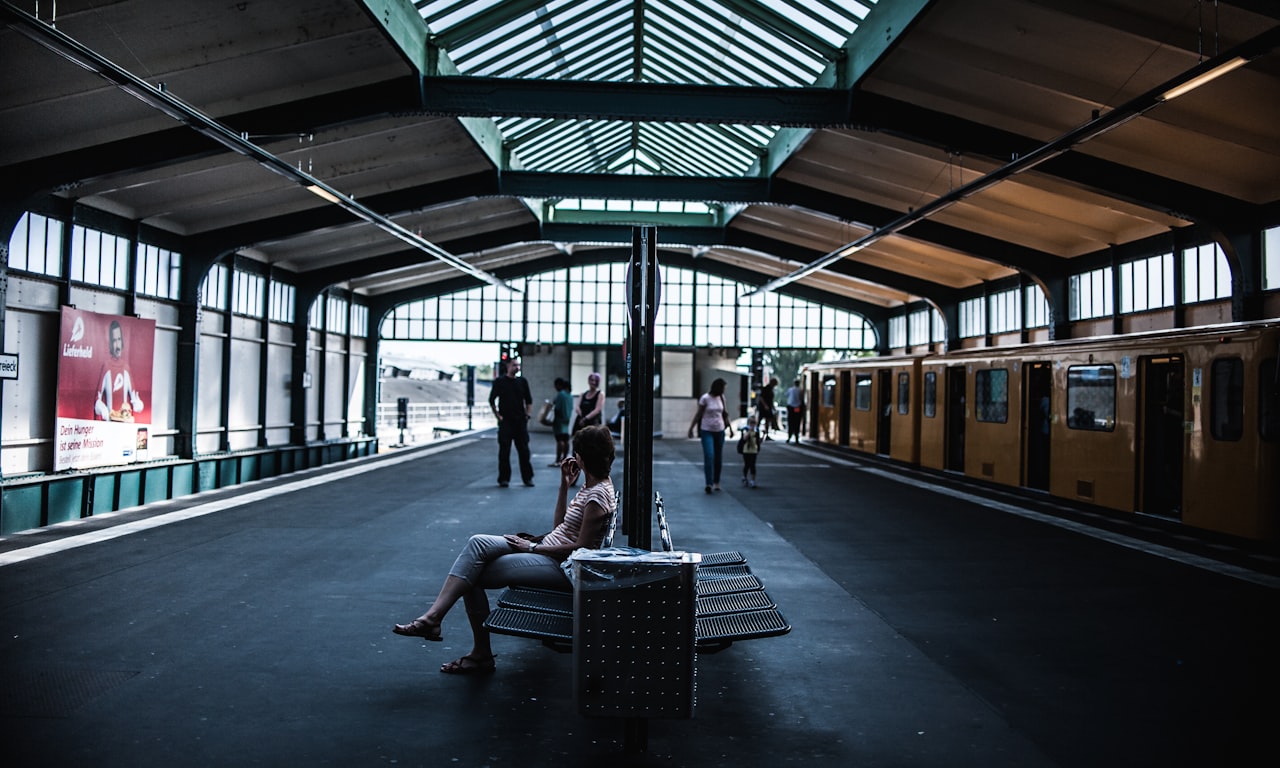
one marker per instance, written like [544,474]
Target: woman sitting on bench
[521,559]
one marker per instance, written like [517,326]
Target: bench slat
[713,559]
[738,602]
[713,632]
[561,603]
[741,626]
[728,585]
[543,600]
[722,571]
[543,626]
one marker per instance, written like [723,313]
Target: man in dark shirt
[512,404]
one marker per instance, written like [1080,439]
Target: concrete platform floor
[932,627]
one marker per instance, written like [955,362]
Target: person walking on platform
[749,446]
[512,405]
[712,421]
[795,411]
[562,414]
[521,559]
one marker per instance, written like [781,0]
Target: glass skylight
[770,43]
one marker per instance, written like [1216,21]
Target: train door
[1039,408]
[843,413]
[884,410]
[1163,451]
[956,415]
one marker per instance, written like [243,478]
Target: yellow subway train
[1182,425]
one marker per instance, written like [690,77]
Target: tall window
[247,293]
[36,245]
[159,272]
[1271,259]
[336,314]
[1091,295]
[898,331]
[98,258]
[213,289]
[1205,274]
[973,318]
[280,306]
[919,331]
[1146,284]
[1004,311]
[359,320]
[596,314]
[1037,307]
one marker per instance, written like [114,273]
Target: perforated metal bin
[634,633]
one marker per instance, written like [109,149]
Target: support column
[642,297]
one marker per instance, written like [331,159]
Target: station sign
[8,366]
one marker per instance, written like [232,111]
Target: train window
[1091,397]
[930,395]
[991,393]
[904,393]
[862,392]
[1269,400]
[829,392]
[1226,398]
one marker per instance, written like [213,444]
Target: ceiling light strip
[70,49]
[1193,78]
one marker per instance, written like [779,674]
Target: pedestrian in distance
[712,422]
[512,405]
[562,415]
[749,446]
[590,404]
[795,411]
[767,409]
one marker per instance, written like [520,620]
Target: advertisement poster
[104,388]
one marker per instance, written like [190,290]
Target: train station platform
[932,626]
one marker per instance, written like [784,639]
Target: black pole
[642,305]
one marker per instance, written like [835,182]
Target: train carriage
[1183,425]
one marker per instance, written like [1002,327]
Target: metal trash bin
[634,632]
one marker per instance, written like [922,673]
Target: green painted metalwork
[21,508]
[64,500]
[41,500]
[404,27]
[129,489]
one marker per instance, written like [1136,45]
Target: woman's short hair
[595,446]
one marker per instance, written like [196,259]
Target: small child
[749,446]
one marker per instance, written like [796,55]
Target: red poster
[104,389]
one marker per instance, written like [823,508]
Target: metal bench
[731,604]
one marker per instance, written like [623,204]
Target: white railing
[425,418]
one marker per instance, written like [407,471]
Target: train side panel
[933,415]
[993,427]
[904,443]
[1233,454]
[1092,427]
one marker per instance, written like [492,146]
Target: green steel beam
[403,26]
[879,31]
[679,221]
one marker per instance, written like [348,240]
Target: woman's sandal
[418,628]
[469,665]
